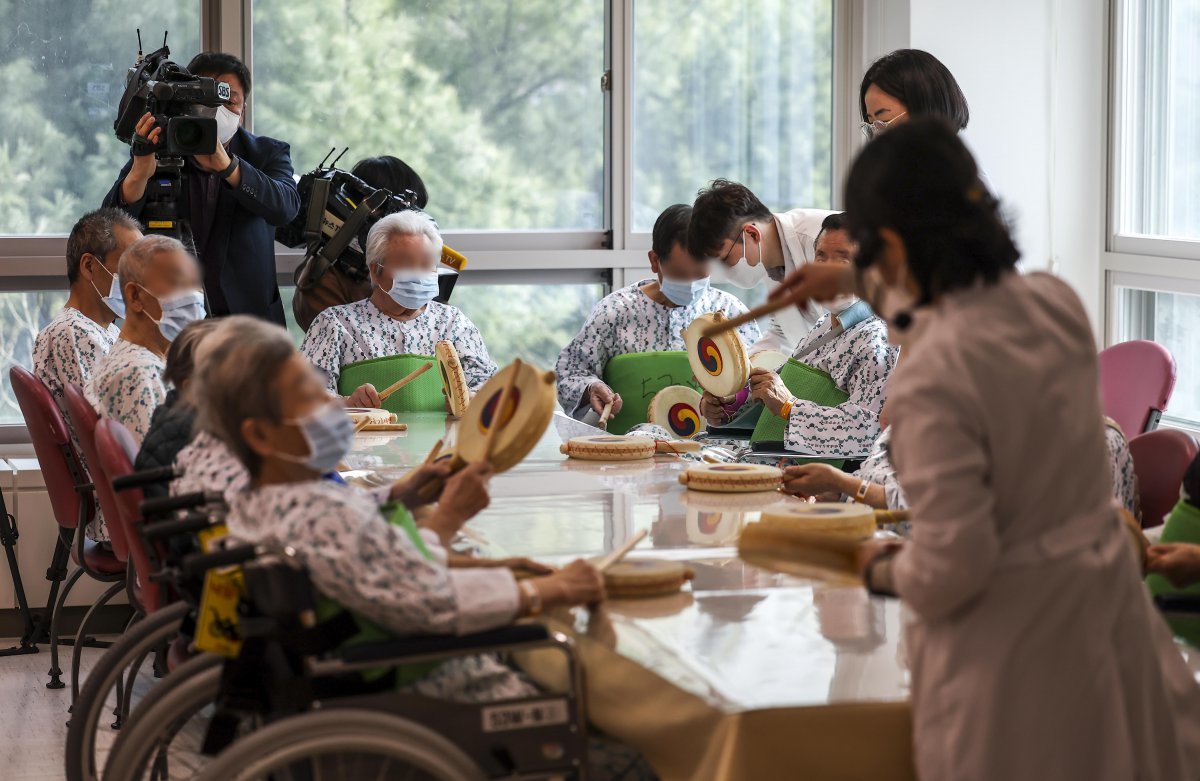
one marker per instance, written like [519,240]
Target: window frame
[614,253]
[1136,260]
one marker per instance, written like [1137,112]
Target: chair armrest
[1178,603]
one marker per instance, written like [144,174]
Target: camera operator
[238,196]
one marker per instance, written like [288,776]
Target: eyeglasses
[872,129]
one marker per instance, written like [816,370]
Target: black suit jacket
[241,244]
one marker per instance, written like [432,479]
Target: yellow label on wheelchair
[217,625]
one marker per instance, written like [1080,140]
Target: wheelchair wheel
[164,735]
[343,744]
[87,731]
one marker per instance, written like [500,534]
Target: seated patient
[850,344]
[647,316]
[161,286]
[400,317]
[67,350]
[268,405]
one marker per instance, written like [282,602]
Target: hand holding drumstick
[809,282]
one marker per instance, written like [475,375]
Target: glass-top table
[810,666]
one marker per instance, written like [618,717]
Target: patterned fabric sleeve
[582,361]
[369,566]
[477,363]
[324,345]
[851,427]
[1120,464]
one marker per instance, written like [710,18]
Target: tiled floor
[33,719]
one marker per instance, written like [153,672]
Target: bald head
[159,264]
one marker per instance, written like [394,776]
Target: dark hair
[216,63]
[670,228]
[93,235]
[921,82]
[181,355]
[391,173]
[718,212]
[920,181]
[834,222]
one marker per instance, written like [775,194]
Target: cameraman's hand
[215,163]
[144,165]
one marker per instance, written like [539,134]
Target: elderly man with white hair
[400,316]
[160,284]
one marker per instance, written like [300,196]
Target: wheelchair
[159,629]
[295,703]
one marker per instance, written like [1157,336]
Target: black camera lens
[188,135]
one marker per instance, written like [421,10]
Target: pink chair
[71,499]
[1136,380]
[1159,460]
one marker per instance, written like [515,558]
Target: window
[22,315]
[741,91]
[62,73]
[1158,113]
[1169,319]
[496,104]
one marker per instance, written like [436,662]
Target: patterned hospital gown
[1120,465]
[878,469]
[127,386]
[357,332]
[628,321]
[66,351]
[859,360]
[208,464]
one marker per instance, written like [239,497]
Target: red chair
[1160,459]
[71,499]
[145,594]
[1136,380]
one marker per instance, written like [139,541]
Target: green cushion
[423,394]
[368,630]
[1183,525]
[808,384]
[636,377]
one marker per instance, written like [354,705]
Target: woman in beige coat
[1035,652]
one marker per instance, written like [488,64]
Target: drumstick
[400,383]
[362,423]
[605,413]
[437,448]
[762,310]
[620,552]
[891,516]
[490,434]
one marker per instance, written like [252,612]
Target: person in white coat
[729,223]
[1034,649]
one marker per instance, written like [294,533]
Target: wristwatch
[229,169]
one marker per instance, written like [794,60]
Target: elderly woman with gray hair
[400,316]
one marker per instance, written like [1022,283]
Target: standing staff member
[1034,649]
[238,196]
[731,224]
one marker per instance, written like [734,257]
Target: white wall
[1035,76]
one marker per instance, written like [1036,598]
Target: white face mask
[227,124]
[743,274]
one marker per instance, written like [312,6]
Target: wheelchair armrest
[156,476]
[431,645]
[1178,603]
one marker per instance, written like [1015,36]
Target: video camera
[183,105]
[337,210]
